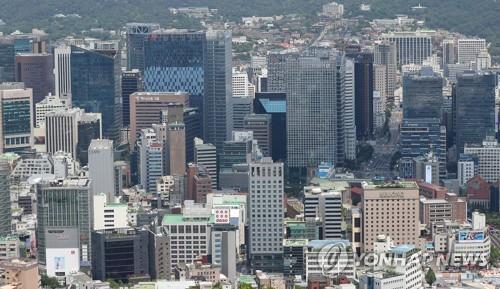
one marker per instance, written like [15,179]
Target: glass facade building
[474,107]
[96,87]
[5,213]
[419,136]
[16,119]
[136,33]
[274,104]
[173,61]
[422,94]
[65,204]
[7,59]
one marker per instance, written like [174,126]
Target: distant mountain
[472,17]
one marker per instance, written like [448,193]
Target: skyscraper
[136,33]
[274,105]
[5,202]
[311,91]
[385,54]
[363,92]
[266,190]
[474,107]
[35,70]
[96,86]
[173,61]
[16,117]
[61,131]
[261,126]
[7,59]
[146,109]
[412,47]
[217,114]
[176,148]
[150,159]
[205,154]
[422,94]
[131,82]
[449,55]
[62,72]
[62,205]
[101,168]
[469,48]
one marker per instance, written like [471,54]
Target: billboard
[476,236]
[222,216]
[61,262]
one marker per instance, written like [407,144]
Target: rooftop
[319,244]
[173,219]
[402,249]
[397,185]
[295,242]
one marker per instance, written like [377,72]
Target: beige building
[392,210]
[146,109]
[450,208]
[20,274]
[176,149]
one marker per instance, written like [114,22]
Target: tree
[50,282]
[430,277]
[245,286]
[495,255]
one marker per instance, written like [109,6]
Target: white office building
[265,204]
[326,206]
[49,104]
[488,156]
[109,215]
[101,167]
[466,169]
[150,160]
[469,49]
[62,72]
[320,250]
[61,128]
[412,47]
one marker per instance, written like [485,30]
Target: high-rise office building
[16,117]
[150,159]
[131,82]
[261,126]
[363,94]
[199,183]
[265,197]
[401,222]
[89,128]
[469,49]
[101,168]
[419,136]
[274,105]
[35,70]
[176,143]
[7,59]
[217,114]
[276,62]
[311,91]
[488,158]
[65,204]
[205,154]
[49,104]
[385,54]
[241,107]
[412,47]
[449,54]
[146,109]
[96,87]
[61,131]
[174,61]
[422,94]
[474,107]
[136,34]
[240,84]
[192,124]
[326,206]
[5,202]
[62,72]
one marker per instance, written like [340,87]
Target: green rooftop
[173,219]
[295,242]
[145,285]
[246,279]
[397,185]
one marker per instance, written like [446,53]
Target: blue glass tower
[96,87]
[174,61]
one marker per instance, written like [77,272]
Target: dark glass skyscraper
[422,94]
[36,71]
[217,114]
[7,59]
[274,104]
[131,82]
[173,61]
[363,94]
[96,87]
[136,33]
[474,107]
